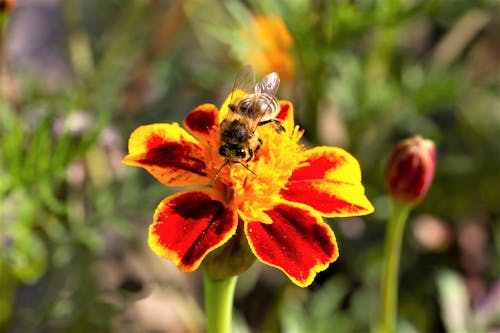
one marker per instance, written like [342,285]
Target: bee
[239,139]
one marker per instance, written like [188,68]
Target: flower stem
[219,294]
[389,291]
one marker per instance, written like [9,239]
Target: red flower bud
[410,169]
[6,5]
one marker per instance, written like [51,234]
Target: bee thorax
[234,132]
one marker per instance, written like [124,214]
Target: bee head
[232,151]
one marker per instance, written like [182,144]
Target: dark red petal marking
[201,120]
[168,154]
[297,242]
[317,167]
[307,193]
[284,110]
[191,225]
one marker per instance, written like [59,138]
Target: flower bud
[410,169]
[6,5]
[231,259]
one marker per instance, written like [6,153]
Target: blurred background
[77,76]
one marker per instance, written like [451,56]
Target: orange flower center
[252,194]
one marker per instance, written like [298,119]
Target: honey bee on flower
[239,139]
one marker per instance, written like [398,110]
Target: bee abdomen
[268,104]
[260,105]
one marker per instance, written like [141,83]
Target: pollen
[279,155]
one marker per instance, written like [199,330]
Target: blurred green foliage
[367,73]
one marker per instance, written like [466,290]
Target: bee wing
[265,90]
[270,109]
[268,85]
[266,108]
[245,81]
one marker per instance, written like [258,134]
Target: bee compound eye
[224,150]
[241,152]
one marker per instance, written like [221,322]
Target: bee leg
[259,144]
[276,123]
[251,154]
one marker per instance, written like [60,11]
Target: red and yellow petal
[329,182]
[298,242]
[169,153]
[202,122]
[190,224]
[286,114]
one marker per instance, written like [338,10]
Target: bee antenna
[222,167]
[218,172]
[246,167]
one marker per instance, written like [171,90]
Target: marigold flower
[410,169]
[267,41]
[278,208]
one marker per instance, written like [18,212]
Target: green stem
[389,292]
[219,294]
